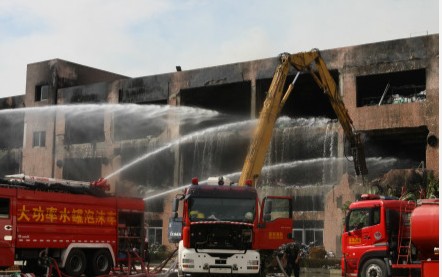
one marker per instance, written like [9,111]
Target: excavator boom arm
[267,118]
[323,78]
[313,63]
[304,62]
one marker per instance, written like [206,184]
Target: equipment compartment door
[275,223]
[7,231]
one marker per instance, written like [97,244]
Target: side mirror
[175,205]
[267,217]
[268,204]
[175,229]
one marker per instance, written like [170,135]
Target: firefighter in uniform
[293,258]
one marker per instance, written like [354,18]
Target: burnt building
[81,123]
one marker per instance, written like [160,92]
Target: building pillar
[253,98]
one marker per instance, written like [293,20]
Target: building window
[41,92]
[309,235]
[39,139]
[86,169]
[156,205]
[155,232]
[307,231]
[391,88]
[86,127]
[308,203]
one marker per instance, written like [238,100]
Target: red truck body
[69,228]
[384,237]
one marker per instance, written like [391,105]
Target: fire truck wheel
[101,263]
[374,268]
[75,263]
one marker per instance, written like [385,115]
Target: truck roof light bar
[367,196]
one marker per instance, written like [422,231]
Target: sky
[147,37]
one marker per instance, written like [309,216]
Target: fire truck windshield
[222,209]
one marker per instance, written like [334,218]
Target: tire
[374,268]
[100,264]
[75,263]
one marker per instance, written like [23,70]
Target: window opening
[308,203]
[39,139]
[155,232]
[41,92]
[307,231]
[308,235]
[156,205]
[87,127]
[88,169]
[391,88]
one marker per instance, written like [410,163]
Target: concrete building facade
[390,88]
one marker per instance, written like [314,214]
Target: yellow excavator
[313,63]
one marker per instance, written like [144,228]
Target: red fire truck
[385,236]
[224,231]
[74,224]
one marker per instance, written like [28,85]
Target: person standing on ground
[293,258]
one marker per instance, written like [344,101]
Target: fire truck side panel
[54,220]
[33,220]
[430,268]
[60,236]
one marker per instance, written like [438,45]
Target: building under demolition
[77,122]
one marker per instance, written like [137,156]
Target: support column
[253,98]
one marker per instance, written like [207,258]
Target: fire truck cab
[224,228]
[380,237]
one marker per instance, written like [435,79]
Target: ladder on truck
[404,233]
[96,188]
